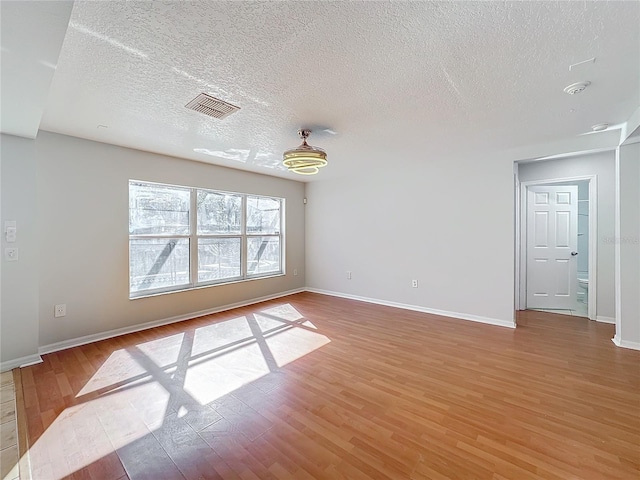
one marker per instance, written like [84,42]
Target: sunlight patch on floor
[221,374]
[136,388]
[292,344]
[119,367]
[284,312]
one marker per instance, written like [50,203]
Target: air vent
[214,107]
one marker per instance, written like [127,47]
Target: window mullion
[280,237]
[243,240]
[193,238]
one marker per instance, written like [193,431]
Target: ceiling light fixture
[600,127]
[305,159]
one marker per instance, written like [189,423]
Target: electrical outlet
[60,310]
[414,283]
[295,272]
[348,275]
[11,254]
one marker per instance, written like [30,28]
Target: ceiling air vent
[214,107]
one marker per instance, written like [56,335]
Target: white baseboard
[600,318]
[20,362]
[417,308]
[625,344]
[76,342]
[96,337]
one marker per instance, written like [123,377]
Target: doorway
[557,233]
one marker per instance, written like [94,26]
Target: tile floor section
[8,429]
[581,310]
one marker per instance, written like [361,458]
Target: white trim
[521,221]
[20,362]
[570,154]
[517,300]
[625,344]
[417,308]
[602,319]
[617,259]
[96,337]
[593,248]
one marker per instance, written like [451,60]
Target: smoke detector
[600,127]
[576,87]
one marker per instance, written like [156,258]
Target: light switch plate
[10,234]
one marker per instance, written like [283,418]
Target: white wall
[603,165]
[447,223]
[81,243]
[19,317]
[32,36]
[628,244]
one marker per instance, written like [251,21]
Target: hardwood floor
[311,386]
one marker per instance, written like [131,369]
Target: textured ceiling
[399,82]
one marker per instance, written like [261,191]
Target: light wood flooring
[311,386]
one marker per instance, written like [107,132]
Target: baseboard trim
[20,362]
[417,308]
[96,337]
[76,342]
[624,344]
[602,319]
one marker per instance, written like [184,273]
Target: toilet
[584,284]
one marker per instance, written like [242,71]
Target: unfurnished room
[319,240]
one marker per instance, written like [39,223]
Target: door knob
[573,254]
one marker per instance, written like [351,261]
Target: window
[181,238]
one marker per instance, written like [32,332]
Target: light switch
[10,230]
[10,234]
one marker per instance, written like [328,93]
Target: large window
[181,238]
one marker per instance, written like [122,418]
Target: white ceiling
[399,82]
[32,35]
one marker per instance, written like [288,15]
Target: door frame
[522,190]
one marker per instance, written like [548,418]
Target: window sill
[200,287]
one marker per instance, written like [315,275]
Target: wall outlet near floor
[60,310]
[348,275]
[414,283]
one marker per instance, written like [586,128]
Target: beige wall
[81,241]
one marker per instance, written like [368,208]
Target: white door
[552,240]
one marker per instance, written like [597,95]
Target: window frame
[193,238]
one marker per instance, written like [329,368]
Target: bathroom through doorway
[558,231]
